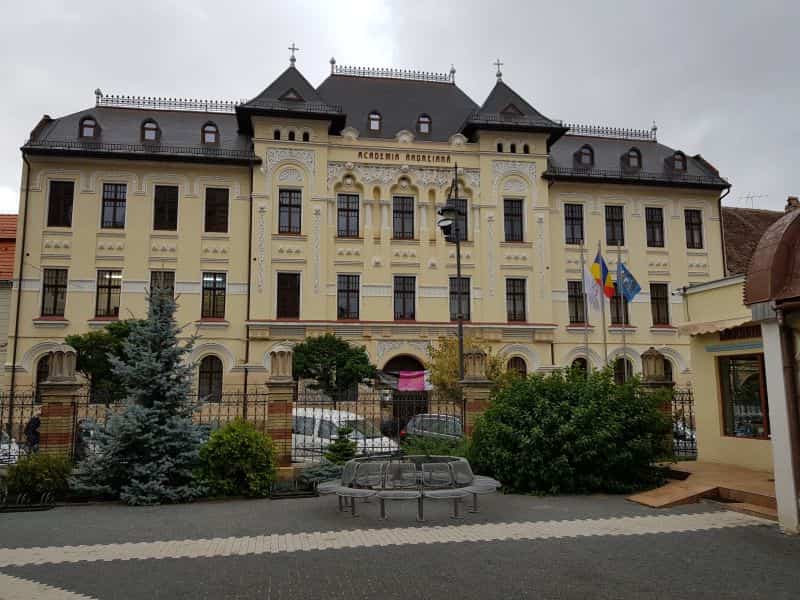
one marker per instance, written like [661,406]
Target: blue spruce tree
[148,453]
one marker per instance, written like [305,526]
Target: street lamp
[448,222]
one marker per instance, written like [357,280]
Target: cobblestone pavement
[517,547]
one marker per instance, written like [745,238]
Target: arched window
[424,124]
[517,363]
[306,137]
[668,370]
[89,128]
[276,135]
[526,149]
[580,363]
[679,161]
[623,370]
[374,121]
[42,371]
[513,148]
[634,158]
[210,134]
[586,156]
[499,146]
[210,384]
[291,136]
[150,131]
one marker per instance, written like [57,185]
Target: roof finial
[292,59]
[498,64]
[452,73]
[333,64]
[654,129]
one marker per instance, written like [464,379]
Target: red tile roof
[8,239]
[743,227]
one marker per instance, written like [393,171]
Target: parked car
[9,449]
[446,427]
[314,429]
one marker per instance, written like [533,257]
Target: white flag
[594,293]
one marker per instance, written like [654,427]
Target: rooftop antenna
[499,73]
[292,59]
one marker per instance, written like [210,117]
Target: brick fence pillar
[280,390]
[476,389]
[59,394]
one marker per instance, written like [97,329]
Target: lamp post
[448,222]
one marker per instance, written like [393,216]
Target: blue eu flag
[626,283]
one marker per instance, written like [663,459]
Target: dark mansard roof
[346,98]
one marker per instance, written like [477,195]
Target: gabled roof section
[742,229]
[290,95]
[505,110]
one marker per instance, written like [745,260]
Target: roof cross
[293,48]
[499,64]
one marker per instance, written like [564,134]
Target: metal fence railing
[684,432]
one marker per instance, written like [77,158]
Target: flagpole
[624,312]
[585,306]
[603,313]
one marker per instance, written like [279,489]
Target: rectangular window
[347,297]
[515,300]
[347,216]
[459,298]
[163,281]
[54,292]
[59,208]
[694,228]
[659,303]
[114,195]
[165,208]
[512,217]
[288,300]
[289,211]
[404,298]
[573,223]
[109,288]
[216,210]
[744,396]
[213,296]
[615,228]
[577,306]
[654,221]
[403,217]
[619,308]
[461,220]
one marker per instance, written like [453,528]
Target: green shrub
[342,448]
[37,474]
[238,460]
[431,446]
[324,471]
[569,432]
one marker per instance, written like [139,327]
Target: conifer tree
[148,453]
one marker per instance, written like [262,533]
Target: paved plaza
[516,547]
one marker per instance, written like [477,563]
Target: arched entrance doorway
[409,396]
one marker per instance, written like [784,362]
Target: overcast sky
[719,78]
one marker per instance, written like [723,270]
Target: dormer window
[210,133]
[306,137]
[585,156]
[424,124]
[291,136]
[89,128]
[634,158]
[679,161]
[374,121]
[150,131]
[276,135]
[513,148]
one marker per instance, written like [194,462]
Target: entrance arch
[405,404]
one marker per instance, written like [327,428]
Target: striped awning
[712,326]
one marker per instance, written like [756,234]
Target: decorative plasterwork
[524,351]
[350,133]
[218,350]
[503,168]
[385,347]
[275,156]
[457,140]
[387,175]
[404,136]
[31,357]
[262,247]
[291,176]
[315,243]
[515,185]
[595,360]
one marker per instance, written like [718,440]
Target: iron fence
[379,421]
[684,433]
[19,424]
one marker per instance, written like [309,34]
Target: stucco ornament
[404,136]
[262,246]
[503,168]
[291,175]
[515,185]
[457,139]
[384,347]
[350,133]
[275,156]
[316,245]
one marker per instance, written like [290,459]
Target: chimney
[792,203]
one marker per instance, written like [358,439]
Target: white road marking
[365,538]
[14,588]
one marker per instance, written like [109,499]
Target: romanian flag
[602,276]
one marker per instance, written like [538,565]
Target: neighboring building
[308,209]
[741,229]
[8,240]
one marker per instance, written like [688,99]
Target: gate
[19,426]
[380,421]
[684,434]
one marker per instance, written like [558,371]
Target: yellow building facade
[307,210]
